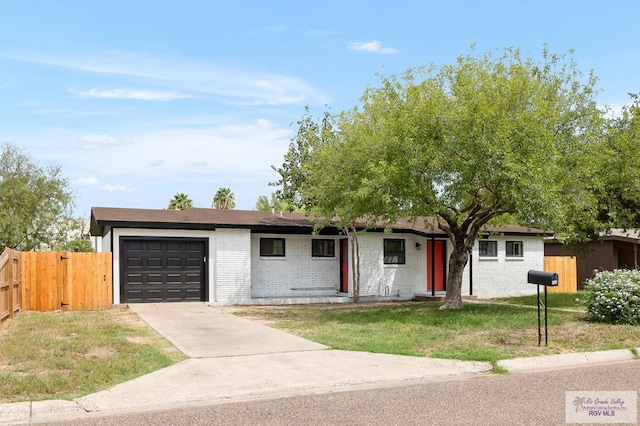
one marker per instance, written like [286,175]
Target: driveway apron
[202,331]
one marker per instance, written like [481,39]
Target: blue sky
[139,100]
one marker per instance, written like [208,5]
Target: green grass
[483,332]
[554,300]
[64,355]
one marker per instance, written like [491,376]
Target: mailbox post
[546,279]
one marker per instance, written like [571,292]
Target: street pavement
[236,359]
[535,398]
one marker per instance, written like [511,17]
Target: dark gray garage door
[162,270]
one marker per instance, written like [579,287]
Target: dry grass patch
[70,354]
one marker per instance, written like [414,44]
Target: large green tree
[489,137]
[294,170]
[619,196]
[34,203]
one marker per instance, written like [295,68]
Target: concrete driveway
[202,331]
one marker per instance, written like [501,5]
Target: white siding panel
[504,276]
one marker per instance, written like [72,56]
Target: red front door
[436,258]
[344,266]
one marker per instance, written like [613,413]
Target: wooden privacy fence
[66,281]
[10,291]
[565,266]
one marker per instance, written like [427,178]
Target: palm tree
[224,199]
[265,205]
[275,204]
[180,201]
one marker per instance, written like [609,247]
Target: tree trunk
[355,269]
[457,261]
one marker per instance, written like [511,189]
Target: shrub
[614,297]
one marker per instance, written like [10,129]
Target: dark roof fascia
[516,234]
[95,229]
[394,231]
[158,225]
[212,227]
[601,240]
[621,238]
[629,240]
[292,230]
[278,229]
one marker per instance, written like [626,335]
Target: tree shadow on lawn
[470,316]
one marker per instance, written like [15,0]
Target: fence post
[16,271]
[9,284]
[9,278]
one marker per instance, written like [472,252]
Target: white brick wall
[495,277]
[298,273]
[232,265]
[505,276]
[401,281]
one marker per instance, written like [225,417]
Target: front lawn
[63,355]
[483,332]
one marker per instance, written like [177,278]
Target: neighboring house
[616,249]
[249,257]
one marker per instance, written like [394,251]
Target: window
[514,248]
[323,248]
[488,248]
[394,252]
[272,247]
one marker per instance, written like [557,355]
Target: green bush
[77,246]
[614,297]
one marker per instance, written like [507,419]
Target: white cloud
[371,47]
[176,75]
[71,113]
[119,188]
[86,181]
[99,140]
[134,94]
[169,154]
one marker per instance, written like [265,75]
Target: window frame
[492,243]
[513,245]
[401,254]
[273,253]
[331,244]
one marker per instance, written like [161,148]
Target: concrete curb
[14,413]
[553,362]
[24,412]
